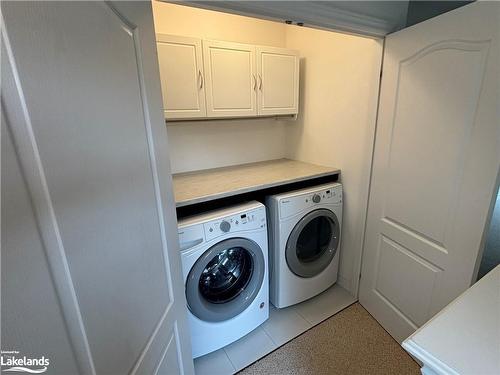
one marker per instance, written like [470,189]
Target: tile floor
[282,326]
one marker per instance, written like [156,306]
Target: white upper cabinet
[182,79]
[231,79]
[278,81]
[216,79]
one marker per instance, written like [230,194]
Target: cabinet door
[278,81]
[231,79]
[181,73]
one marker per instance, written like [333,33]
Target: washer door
[225,280]
[313,243]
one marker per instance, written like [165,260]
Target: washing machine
[304,242]
[225,267]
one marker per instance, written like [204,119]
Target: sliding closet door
[91,276]
[437,155]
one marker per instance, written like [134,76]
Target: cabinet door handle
[200,78]
[260,82]
[254,82]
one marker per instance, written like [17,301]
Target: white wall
[198,145]
[200,23]
[210,144]
[336,124]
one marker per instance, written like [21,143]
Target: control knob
[316,198]
[225,226]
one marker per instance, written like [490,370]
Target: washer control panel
[293,205]
[250,220]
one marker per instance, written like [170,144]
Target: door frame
[358,264]
[486,230]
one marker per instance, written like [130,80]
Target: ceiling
[371,18]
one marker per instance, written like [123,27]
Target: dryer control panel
[292,205]
[235,223]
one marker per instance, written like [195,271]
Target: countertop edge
[428,359]
[207,198]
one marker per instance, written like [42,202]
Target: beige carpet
[351,342]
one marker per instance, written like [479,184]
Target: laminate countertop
[209,184]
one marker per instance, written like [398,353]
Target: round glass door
[226,275]
[313,243]
[225,280]
[314,239]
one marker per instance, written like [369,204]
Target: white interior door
[436,159]
[91,275]
[182,79]
[278,81]
[231,79]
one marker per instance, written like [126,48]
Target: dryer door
[313,243]
[225,280]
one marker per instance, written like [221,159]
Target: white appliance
[224,263]
[304,244]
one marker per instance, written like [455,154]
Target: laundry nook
[250,187]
